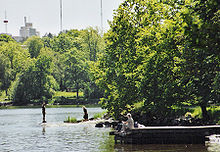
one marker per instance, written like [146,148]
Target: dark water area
[22,130]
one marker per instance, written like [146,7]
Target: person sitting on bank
[129,124]
[85,116]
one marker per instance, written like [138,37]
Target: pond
[21,130]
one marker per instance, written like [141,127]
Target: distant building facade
[27,30]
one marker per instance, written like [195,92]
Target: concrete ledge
[167,135]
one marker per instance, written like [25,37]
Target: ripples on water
[21,130]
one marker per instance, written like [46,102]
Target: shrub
[71,119]
[99,115]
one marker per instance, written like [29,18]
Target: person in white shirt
[129,124]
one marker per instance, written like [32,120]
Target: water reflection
[109,146]
[160,148]
[43,130]
[22,130]
[85,130]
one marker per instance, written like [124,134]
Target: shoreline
[50,106]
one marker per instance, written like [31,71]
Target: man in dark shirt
[85,114]
[44,112]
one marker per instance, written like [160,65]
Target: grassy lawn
[51,106]
[67,94]
[213,111]
[66,98]
[59,95]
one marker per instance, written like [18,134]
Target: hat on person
[128,115]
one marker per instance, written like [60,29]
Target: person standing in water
[44,112]
[85,116]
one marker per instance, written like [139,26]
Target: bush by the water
[71,119]
[99,115]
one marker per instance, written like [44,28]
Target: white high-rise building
[28,30]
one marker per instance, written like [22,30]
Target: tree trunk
[6,92]
[61,84]
[204,113]
[77,91]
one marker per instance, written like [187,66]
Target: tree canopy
[156,56]
[32,71]
[161,54]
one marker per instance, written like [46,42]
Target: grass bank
[59,100]
[213,111]
[70,98]
[67,94]
[51,106]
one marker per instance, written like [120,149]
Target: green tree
[75,73]
[4,73]
[6,38]
[92,42]
[34,45]
[161,53]
[201,53]
[72,53]
[34,84]
[159,48]
[116,69]
[62,43]
[92,45]
[13,60]
[47,41]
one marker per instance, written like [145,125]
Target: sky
[45,14]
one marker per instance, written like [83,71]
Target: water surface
[22,130]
